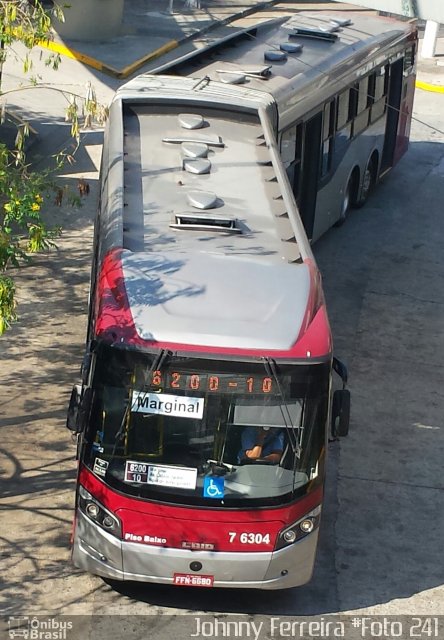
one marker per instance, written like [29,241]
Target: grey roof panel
[320,61]
[240,186]
[210,299]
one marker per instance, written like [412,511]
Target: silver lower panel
[98,552]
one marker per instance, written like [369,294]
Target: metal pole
[430,37]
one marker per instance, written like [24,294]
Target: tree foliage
[22,229]
[24,192]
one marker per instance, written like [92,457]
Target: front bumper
[100,553]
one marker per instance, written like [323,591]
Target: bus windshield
[180,433]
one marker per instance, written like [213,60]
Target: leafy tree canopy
[24,192]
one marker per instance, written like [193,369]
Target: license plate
[192,580]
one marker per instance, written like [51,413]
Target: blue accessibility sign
[213,487]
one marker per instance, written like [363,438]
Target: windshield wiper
[270,368]
[220,468]
[156,365]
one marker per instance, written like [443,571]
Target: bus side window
[104,172]
[363,95]
[343,108]
[353,102]
[291,154]
[409,60]
[344,114]
[288,147]
[328,138]
[371,89]
[363,106]
[378,86]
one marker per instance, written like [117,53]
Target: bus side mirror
[341,370]
[79,407]
[340,413]
[72,419]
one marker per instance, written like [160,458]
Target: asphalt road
[381,538]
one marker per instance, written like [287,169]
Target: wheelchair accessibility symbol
[213,488]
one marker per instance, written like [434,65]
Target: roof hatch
[205,222]
[317,34]
[191,121]
[275,56]
[202,199]
[194,149]
[342,22]
[196,165]
[333,20]
[291,47]
[229,77]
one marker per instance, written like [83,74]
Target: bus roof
[213,254]
[342,46]
[208,250]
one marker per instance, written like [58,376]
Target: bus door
[308,188]
[393,106]
[406,108]
[300,153]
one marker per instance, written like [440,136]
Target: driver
[263,443]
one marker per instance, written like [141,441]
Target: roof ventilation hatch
[229,77]
[204,222]
[275,56]
[202,199]
[191,121]
[196,165]
[194,149]
[291,47]
[329,28]
[316,34]
[341,22]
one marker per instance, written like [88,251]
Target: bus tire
[368,182]
[346,202]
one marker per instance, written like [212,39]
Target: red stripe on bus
[114,501]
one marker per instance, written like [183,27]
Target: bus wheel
[368,182]
[346,203]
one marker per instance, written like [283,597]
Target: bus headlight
[92,510]
[307,525]
[289,536]
[96,512]
[299,529]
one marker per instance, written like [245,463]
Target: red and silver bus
[206,396]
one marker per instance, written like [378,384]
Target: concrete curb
[427,86]
[105,68]
[81,57]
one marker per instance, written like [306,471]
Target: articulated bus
[206,396]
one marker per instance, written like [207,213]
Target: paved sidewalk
[152,28]
[430,72]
